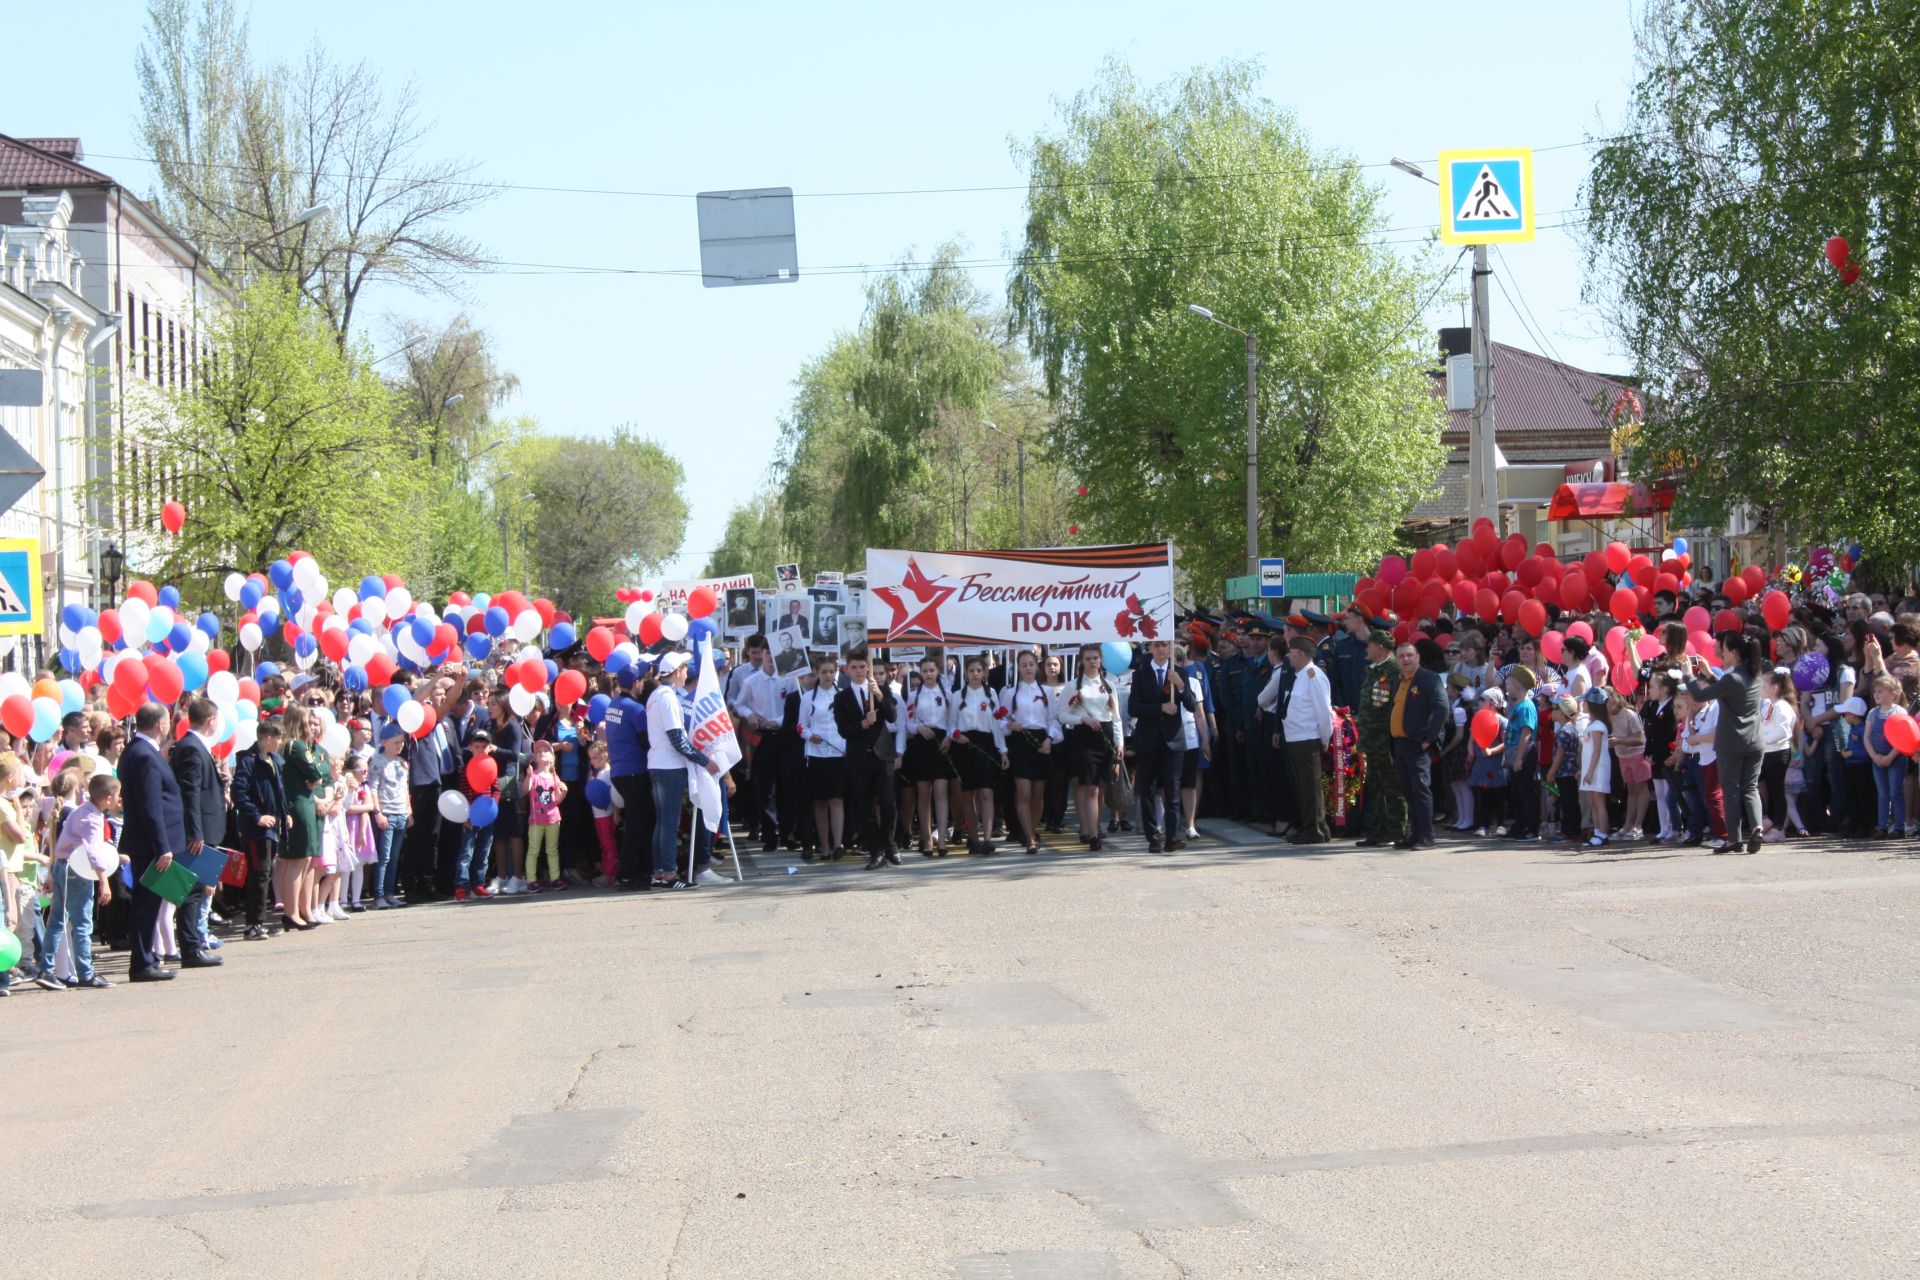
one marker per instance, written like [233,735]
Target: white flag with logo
[710,729]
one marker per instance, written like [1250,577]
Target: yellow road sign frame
[36,620]
[1450,232]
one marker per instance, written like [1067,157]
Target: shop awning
[1605,501]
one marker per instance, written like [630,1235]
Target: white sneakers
[710,876]
[495,885]
[514,885]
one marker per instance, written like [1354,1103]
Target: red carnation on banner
[1148,627]
[1123,623]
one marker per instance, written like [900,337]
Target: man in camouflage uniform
[1386,808]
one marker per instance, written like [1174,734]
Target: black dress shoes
[204,960]
[156,973]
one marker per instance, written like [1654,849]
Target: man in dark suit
[260,818]
[203,806]
[155,830]
[1159,746]
[1419,719]
[861,712]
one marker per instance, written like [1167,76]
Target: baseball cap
[391,730]
[672,662]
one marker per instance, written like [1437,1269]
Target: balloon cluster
[1840,257]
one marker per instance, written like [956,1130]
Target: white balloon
[629,648]
[527,653]
[520,700]
[410,716]
[269,610]
[336,740]
[250,636]
[224,688]
[399,600]
[320,586]
[247,710]
[198,642]
[13,684]
[306,660]
[343,600]
[453,806]
[374,611]
[412,649]
[67,636]
[246,734]
[229,724]
[306,576]
[635,612]
[673,626]
[90,645]
[133,621]
[361,647]
[527,625]
[235,581]
[325,716]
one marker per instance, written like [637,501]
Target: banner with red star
[1053,595]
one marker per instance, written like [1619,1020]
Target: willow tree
[1757,133]
[1145,200]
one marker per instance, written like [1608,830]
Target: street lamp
[300,219]
[1483,483]
[112,561]
[1020,452]
[1253,432]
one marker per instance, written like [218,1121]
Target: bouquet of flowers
[1343,769]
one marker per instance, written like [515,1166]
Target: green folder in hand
[174,884]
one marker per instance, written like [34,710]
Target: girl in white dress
[1031,735]
[1596,767]
[1089,716]
[928,712]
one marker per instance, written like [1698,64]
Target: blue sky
[833,97]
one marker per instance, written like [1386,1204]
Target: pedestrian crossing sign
[1486,196]
[20,600]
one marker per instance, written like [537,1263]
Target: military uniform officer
[1386,819]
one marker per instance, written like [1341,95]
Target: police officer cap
[1315,619]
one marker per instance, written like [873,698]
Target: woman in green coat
[307,772]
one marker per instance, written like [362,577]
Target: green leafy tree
[753,542]
[286,441]
[1755,133]
[605,511]
[1146,200]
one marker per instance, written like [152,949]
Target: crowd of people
[1361,724]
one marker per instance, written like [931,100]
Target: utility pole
[1483,481]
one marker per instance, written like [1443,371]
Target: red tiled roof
[1534,394]
[23,164]
[65,148]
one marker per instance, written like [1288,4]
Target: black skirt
[1089,754]
[923,761]
[1023,752]
[978,762]
[826,778]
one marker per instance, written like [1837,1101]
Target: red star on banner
[923,614]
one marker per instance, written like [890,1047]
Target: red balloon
[1487,604]
[510,676]
[1533,618]
[1903,734]
[1640,569]
[1755,577]
[289,633]
[109,625]
[1777,609]
[1529,572]
[1445,563]
[1573,590]
[141,589]
[380,670]
[1469,560]
[217,660]
[1735,590]
[1423,563]
[1666,582]
[1595,563]
[333,642]
[445,637]
[1498,581]
[569,688]
[1463,595]
[1697,619]
[1546,552]
[650,630]
[1849,273]
[1513,551]
[1579,627]
[482,773]
[1486,727]
[544,607]
[250,689]
[121,704]
[1433,599]
[1624,606]
[173,517]
[701,602]
[533,675]
[1645,596]
[1406,597]
[1838,251]
[16,715]
[1618,556]
[165,679]
[1485,540]
[1510,604]
[428,718]
[1727,621]
[600,642]
[1553,646]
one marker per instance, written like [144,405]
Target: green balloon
[9,949]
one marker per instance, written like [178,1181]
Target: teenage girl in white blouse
[1031,732]
[929,714]
[826,751]
[1090,717]
[979,753]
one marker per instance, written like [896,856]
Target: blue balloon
[304,646]
[170,596]
[497,621]
[478,647]
[157,627]
[1117,657]
[210,624]
[393,698]
[599,793]
[422,632]
[75,616]
[596,712]
[193,670]
[561,636]
[72,697]
[617,661]
[295,600]
[372,585]
[483,811]
[180,637]
[70,661]
[697,630]
[280,573]
[1679,546]
[355,679]
[266,671]
[269,610]
[250,593]
[553,672]
[46,721]
[361,625]
[480,601]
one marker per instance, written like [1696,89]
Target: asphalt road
[1240,1060]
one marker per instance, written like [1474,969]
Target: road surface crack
[202,1240]
[580,1075]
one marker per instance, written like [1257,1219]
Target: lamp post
[1483,482]
[300,219]
[1020,453]
[1253,432]
[506,563]
[112,561]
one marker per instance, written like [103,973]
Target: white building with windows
[94,258]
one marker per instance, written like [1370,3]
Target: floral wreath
[1343,765]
